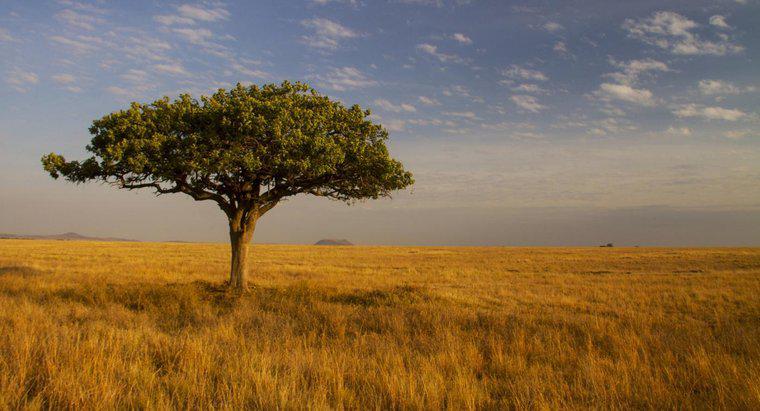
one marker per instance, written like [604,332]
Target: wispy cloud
[77,19]
[324,2]
[709,113]
[737,134]
[625,92]
[674,32]
[678,131]
[530,88]
[393,107]
[394,125]
[345,78]
[711,87]
[610,125]
[631,71]
[171,68]
[432,50]
[67,81]
[191,14]
[63,78]
[428,101]
[203,13]
[517,72]
[5,36]
[172,19]
[21,80]
[527,102]
[469,115]
[244,69]
[79,44]
[553,27]
[195,35]
[327,34]
[461,38]
[719,21]
[560,47]
[120,91]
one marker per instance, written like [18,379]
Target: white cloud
[199,12]
[5,36]
[461,91]
[674,32]
[63,78]
[247,71]
[172,19]
[737,134]
[394,125]
[678,131]
[527,102]
[79,20]
[327,34]
[438,3]
[428,101]
[530,88]
[709,113]
[396,108]
[323,2]
[719,21]
[432,122]
[345,78]
[519,72]
[195,36]
[442,57]
[86,7]
[119,91]
[717,87]
[632,70]
[140,82]
[610,125]
[21,80]
[560,47]
[79,45]
[135,76]
[171,68]
[553,27]
[461,38]
[625,92]
[469,115]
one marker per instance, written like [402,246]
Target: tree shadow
[404,294]
[20,271]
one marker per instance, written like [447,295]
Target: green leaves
[246,148]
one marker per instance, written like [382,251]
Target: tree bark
[240,237]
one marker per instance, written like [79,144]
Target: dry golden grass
[140,325]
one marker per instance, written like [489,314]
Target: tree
[246,149]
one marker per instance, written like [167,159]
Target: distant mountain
[65,237]
[330,241]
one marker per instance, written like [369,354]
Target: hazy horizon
[559,123]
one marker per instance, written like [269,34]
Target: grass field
[146,325]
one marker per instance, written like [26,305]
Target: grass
[142,325]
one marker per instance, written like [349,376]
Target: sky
[524,122]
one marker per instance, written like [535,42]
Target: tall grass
[139,325]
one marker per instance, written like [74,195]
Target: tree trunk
[240,236]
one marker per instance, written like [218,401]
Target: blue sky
[501,108]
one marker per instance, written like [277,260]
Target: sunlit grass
[141,325]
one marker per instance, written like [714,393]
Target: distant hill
[330,241]
[64,237]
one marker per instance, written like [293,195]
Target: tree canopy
[247,145]
[246,148]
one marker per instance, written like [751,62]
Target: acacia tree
[247,149]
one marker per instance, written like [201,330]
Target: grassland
[140,325]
